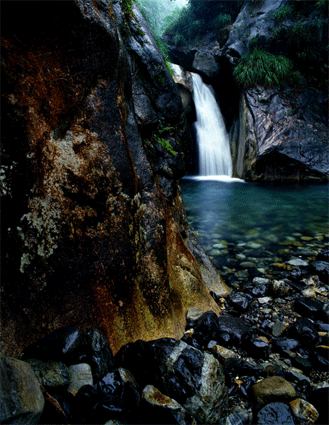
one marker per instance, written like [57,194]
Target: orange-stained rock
[90,236]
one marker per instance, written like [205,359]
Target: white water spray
[212,138]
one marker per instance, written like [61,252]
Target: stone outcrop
[254,20]
[281,136]
[94,232]
[276,134]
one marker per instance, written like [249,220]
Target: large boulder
[21,399]
[281,136]
[191,377]
[93,221]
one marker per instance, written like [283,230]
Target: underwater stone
[298,262]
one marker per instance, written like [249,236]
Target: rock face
[281,136]
[93,225]
[276,134]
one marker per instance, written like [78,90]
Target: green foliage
[163,142]
[300,42]
[322,5]
[283,13]
[180,40]
[263,68]
[158,15]
[222,20]
[201,17]
[127,6]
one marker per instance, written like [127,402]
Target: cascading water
[212,138]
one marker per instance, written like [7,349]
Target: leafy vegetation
[297,37]
[283,13]
[159,14]
[263,68]
[127,6]
[293,54]
[200,17]
[163,142]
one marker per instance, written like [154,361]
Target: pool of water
[254,229]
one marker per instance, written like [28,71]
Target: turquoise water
[264,224]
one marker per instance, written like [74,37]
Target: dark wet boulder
[285,343]
[321,268]
[63,345]
[137,358]
[259,290]
[258,348]
[157,408]
[238,301]
[82,407]
[238,416]
[109,407]
[304,331]
[274,414]
[232,330]
[195,340]
[296,275]
[308,307]
[120,383]
[303,364]
[323,327]
[248,368]
[323,256]
[193,378]
[206,328]
[97,353]
[65,404]
[319,357]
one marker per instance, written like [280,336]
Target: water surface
[264,225]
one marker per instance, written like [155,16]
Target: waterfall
[212,138]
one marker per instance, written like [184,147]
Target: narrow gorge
[134,287]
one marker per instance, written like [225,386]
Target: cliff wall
[93,228]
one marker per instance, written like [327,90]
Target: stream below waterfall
[251,229]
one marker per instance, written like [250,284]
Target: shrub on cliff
[265,69]
[201,17]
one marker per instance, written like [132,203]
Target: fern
[165,144]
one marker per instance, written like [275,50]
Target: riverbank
[263,361]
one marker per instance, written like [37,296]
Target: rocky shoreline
[263,361]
